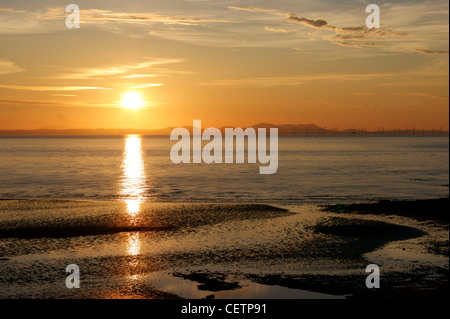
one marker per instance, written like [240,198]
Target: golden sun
[132,100]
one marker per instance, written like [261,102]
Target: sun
[132,100]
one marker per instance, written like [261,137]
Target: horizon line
[284,129]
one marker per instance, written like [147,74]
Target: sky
[226,63]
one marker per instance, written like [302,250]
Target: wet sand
[166,251]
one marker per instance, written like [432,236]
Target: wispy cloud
[61,103]
[14,21]
[298,80]
[256,9]
[11,10]
[9,67]
[344,36]
[29,102]
[317,24]
[279,30]
[147,85]
[52,88]
[136,76]
[349,36]
[357,44]
[99,73]
[422,51]
[95,15]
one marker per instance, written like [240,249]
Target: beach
[238,251]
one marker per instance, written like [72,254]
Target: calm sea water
[312,169]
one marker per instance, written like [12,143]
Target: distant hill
[284,129]
[289,129]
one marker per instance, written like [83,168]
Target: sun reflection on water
[134,244]
[133,180]
[133,185]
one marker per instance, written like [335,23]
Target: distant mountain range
[284,129]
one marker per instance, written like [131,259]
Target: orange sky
[223,64]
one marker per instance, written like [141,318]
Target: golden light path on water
[134,244]
[133,180]
[133,186]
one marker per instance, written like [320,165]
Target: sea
[311,169]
